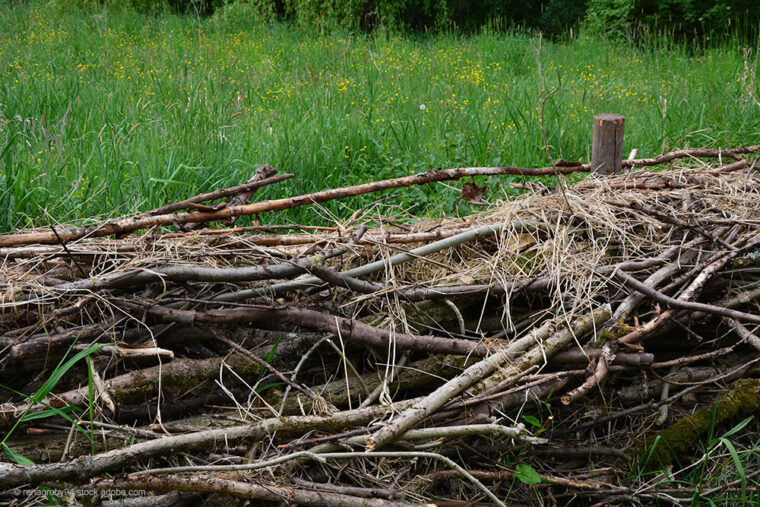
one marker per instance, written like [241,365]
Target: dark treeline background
[621,18]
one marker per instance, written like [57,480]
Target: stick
[322,458]
[631,282]
[373,267]
[126,225]
[250,185]
[691,153]
[242,197]
[744,333]
[281,317]
[350,490]
[82,468]
[480,371]
[247,490]
[182,273]
[503,475]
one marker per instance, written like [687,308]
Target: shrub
[240,14]
[609,16]
[682,18]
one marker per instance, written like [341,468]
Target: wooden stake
[607,149]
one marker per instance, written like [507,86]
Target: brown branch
[239,198]
[282,317]
[265,175]
[212,484]
[125,225]
[658,296]
[85,467]
[607,357]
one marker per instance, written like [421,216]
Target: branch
[485,368]
[269,178]
[281,317]
[691,153]
[631,282]
[211,484]
[85,467]
[126,225]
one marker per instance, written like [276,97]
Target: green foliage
[725,459]
[244,14]
[45,389]
[630,18]
[609,16]
[325,14]
[742,398]
[152,7]
[688,16]
[104,113]
[527,474]
[695,20]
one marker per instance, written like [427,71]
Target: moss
[741,400]
[527,261]
[614,332]
[745,262]
[315,261]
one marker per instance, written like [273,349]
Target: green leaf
[43,414]
[274,349]
[268,360]
[62,369]
[738,463]
[49,385]
[91,400]
[532,420]
[738,427]
[17,458]
[527,474]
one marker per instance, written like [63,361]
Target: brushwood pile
[574,343]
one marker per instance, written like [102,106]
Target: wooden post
[607,147]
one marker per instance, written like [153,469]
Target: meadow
[106,112]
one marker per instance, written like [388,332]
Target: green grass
[105,112]
[723,473]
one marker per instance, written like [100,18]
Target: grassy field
[106,112]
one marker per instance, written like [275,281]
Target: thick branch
[282,317]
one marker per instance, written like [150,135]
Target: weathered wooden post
[607,147]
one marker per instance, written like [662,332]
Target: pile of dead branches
[574,342]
